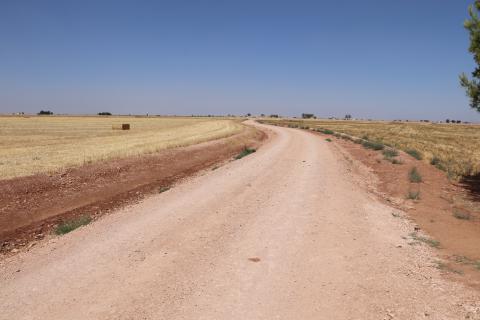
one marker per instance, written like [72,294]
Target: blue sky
[374,59]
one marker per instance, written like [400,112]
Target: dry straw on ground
[46,144]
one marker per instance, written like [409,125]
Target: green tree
[472,86]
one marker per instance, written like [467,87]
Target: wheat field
[455,146]
[39,144]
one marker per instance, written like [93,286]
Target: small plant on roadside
[434,161]
[327,131]
[390,153]
[467,261]
[413,195]
[358,141]
[396,161]
[163,189]
[462,215]
[445,267]
[414,153]
[245,152]
[440,166]
[328,139]
[462,259]
[414,175]
[431,242]
[71,225]
[373,145]
[477,265]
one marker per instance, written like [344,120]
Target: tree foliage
[45,112]
[307,115]
[472,86]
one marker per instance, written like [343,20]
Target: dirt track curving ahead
[286,233]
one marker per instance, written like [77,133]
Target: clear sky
[374,58]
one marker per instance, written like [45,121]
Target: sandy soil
[289,232]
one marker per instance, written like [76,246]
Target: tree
[348,117]
[307,115]
[472,86]
[45,112]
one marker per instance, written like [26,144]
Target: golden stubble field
[39,144]
[455,146]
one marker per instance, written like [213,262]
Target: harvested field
[31,145]
[31,207]
[453,148]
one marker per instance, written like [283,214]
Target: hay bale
[123,126]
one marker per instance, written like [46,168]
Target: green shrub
[461,215]
[413,195]
[434,161]
[396,161]
[414,175]
[328,139]
[373,145]
[71,225]
[414,153]
[437,163]
[431,242]
[390,153]
[164,189]
[245,152]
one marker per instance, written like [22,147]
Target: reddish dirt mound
[31,206]
[438,211]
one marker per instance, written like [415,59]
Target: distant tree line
[45,112]
[453,121]
[104,114]
[308,116]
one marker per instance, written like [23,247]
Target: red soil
[30,207]
[434,212]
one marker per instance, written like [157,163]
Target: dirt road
[285,233]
